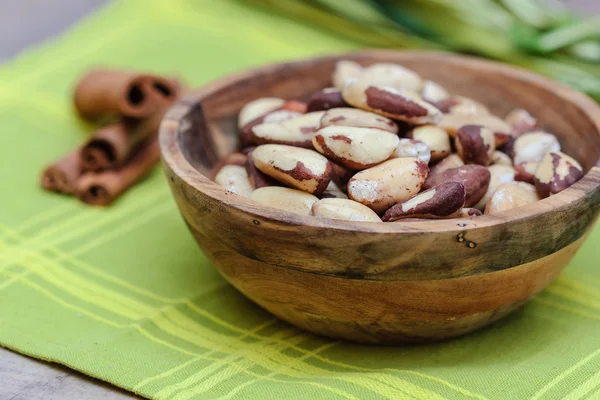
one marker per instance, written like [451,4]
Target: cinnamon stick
[111,145]
[104,92]
[62,175]
[103,188]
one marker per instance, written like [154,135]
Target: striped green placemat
[124,294]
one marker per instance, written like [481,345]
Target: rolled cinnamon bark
[103,188]
[112,145]
[62,175]
[104,92]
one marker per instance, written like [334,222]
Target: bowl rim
[174,159]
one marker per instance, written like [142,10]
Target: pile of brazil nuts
[384,144]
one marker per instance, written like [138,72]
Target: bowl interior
[213,133]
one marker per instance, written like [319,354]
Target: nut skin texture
[443,201]
[556,172]
[511,195]
[533,146]
[357,118]
[345,70]
[300,168]
[435,138]
[470,212]
[499,158]
[234,158]
[344,209]
[390,182]
[257,178]
[258,108]
[294,132]
[433,93]
[525,172]
[412,148]
[355,148]
[279,115]
[499,175]
[451,123]
[234,178]
[475,178]
[326,99]
[390,102]
[462,106]
[448,162]
[283,198]
[475,144]
[521,121]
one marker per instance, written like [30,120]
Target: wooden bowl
[408,281]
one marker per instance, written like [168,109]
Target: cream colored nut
[390,102]
[499,175]
[412,148]
[511,195]
[556,172]
[326,99]
[533,146]
[499,158]
[279,115]
[475,178]
[453,122]
[283,198]
[521,121]
[293,132]
[433,92]
[344,209]
[345,70]
[355,148]
[449,162]
[525,171]
[392,75]
[234,158]
[333,191]
[257,178]
[357,118]
[475,144]
[470,212]
[443,201]
[257,108]
[234,178]
[435,138]
[462,106]
[300,168]
[388,183]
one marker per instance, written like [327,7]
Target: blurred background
[558,38]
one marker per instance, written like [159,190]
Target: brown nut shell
[300,168]
[390,182]
[556,172]
[390,102]
[326,99]
[475,178]
[451,123]
[355,148]
[525,172]
[475,144]
[443,201]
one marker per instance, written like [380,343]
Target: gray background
[22,24]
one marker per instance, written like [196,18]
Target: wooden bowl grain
[410,281]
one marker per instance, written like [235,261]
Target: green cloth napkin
[125,295]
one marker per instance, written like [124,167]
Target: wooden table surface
[22,24]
